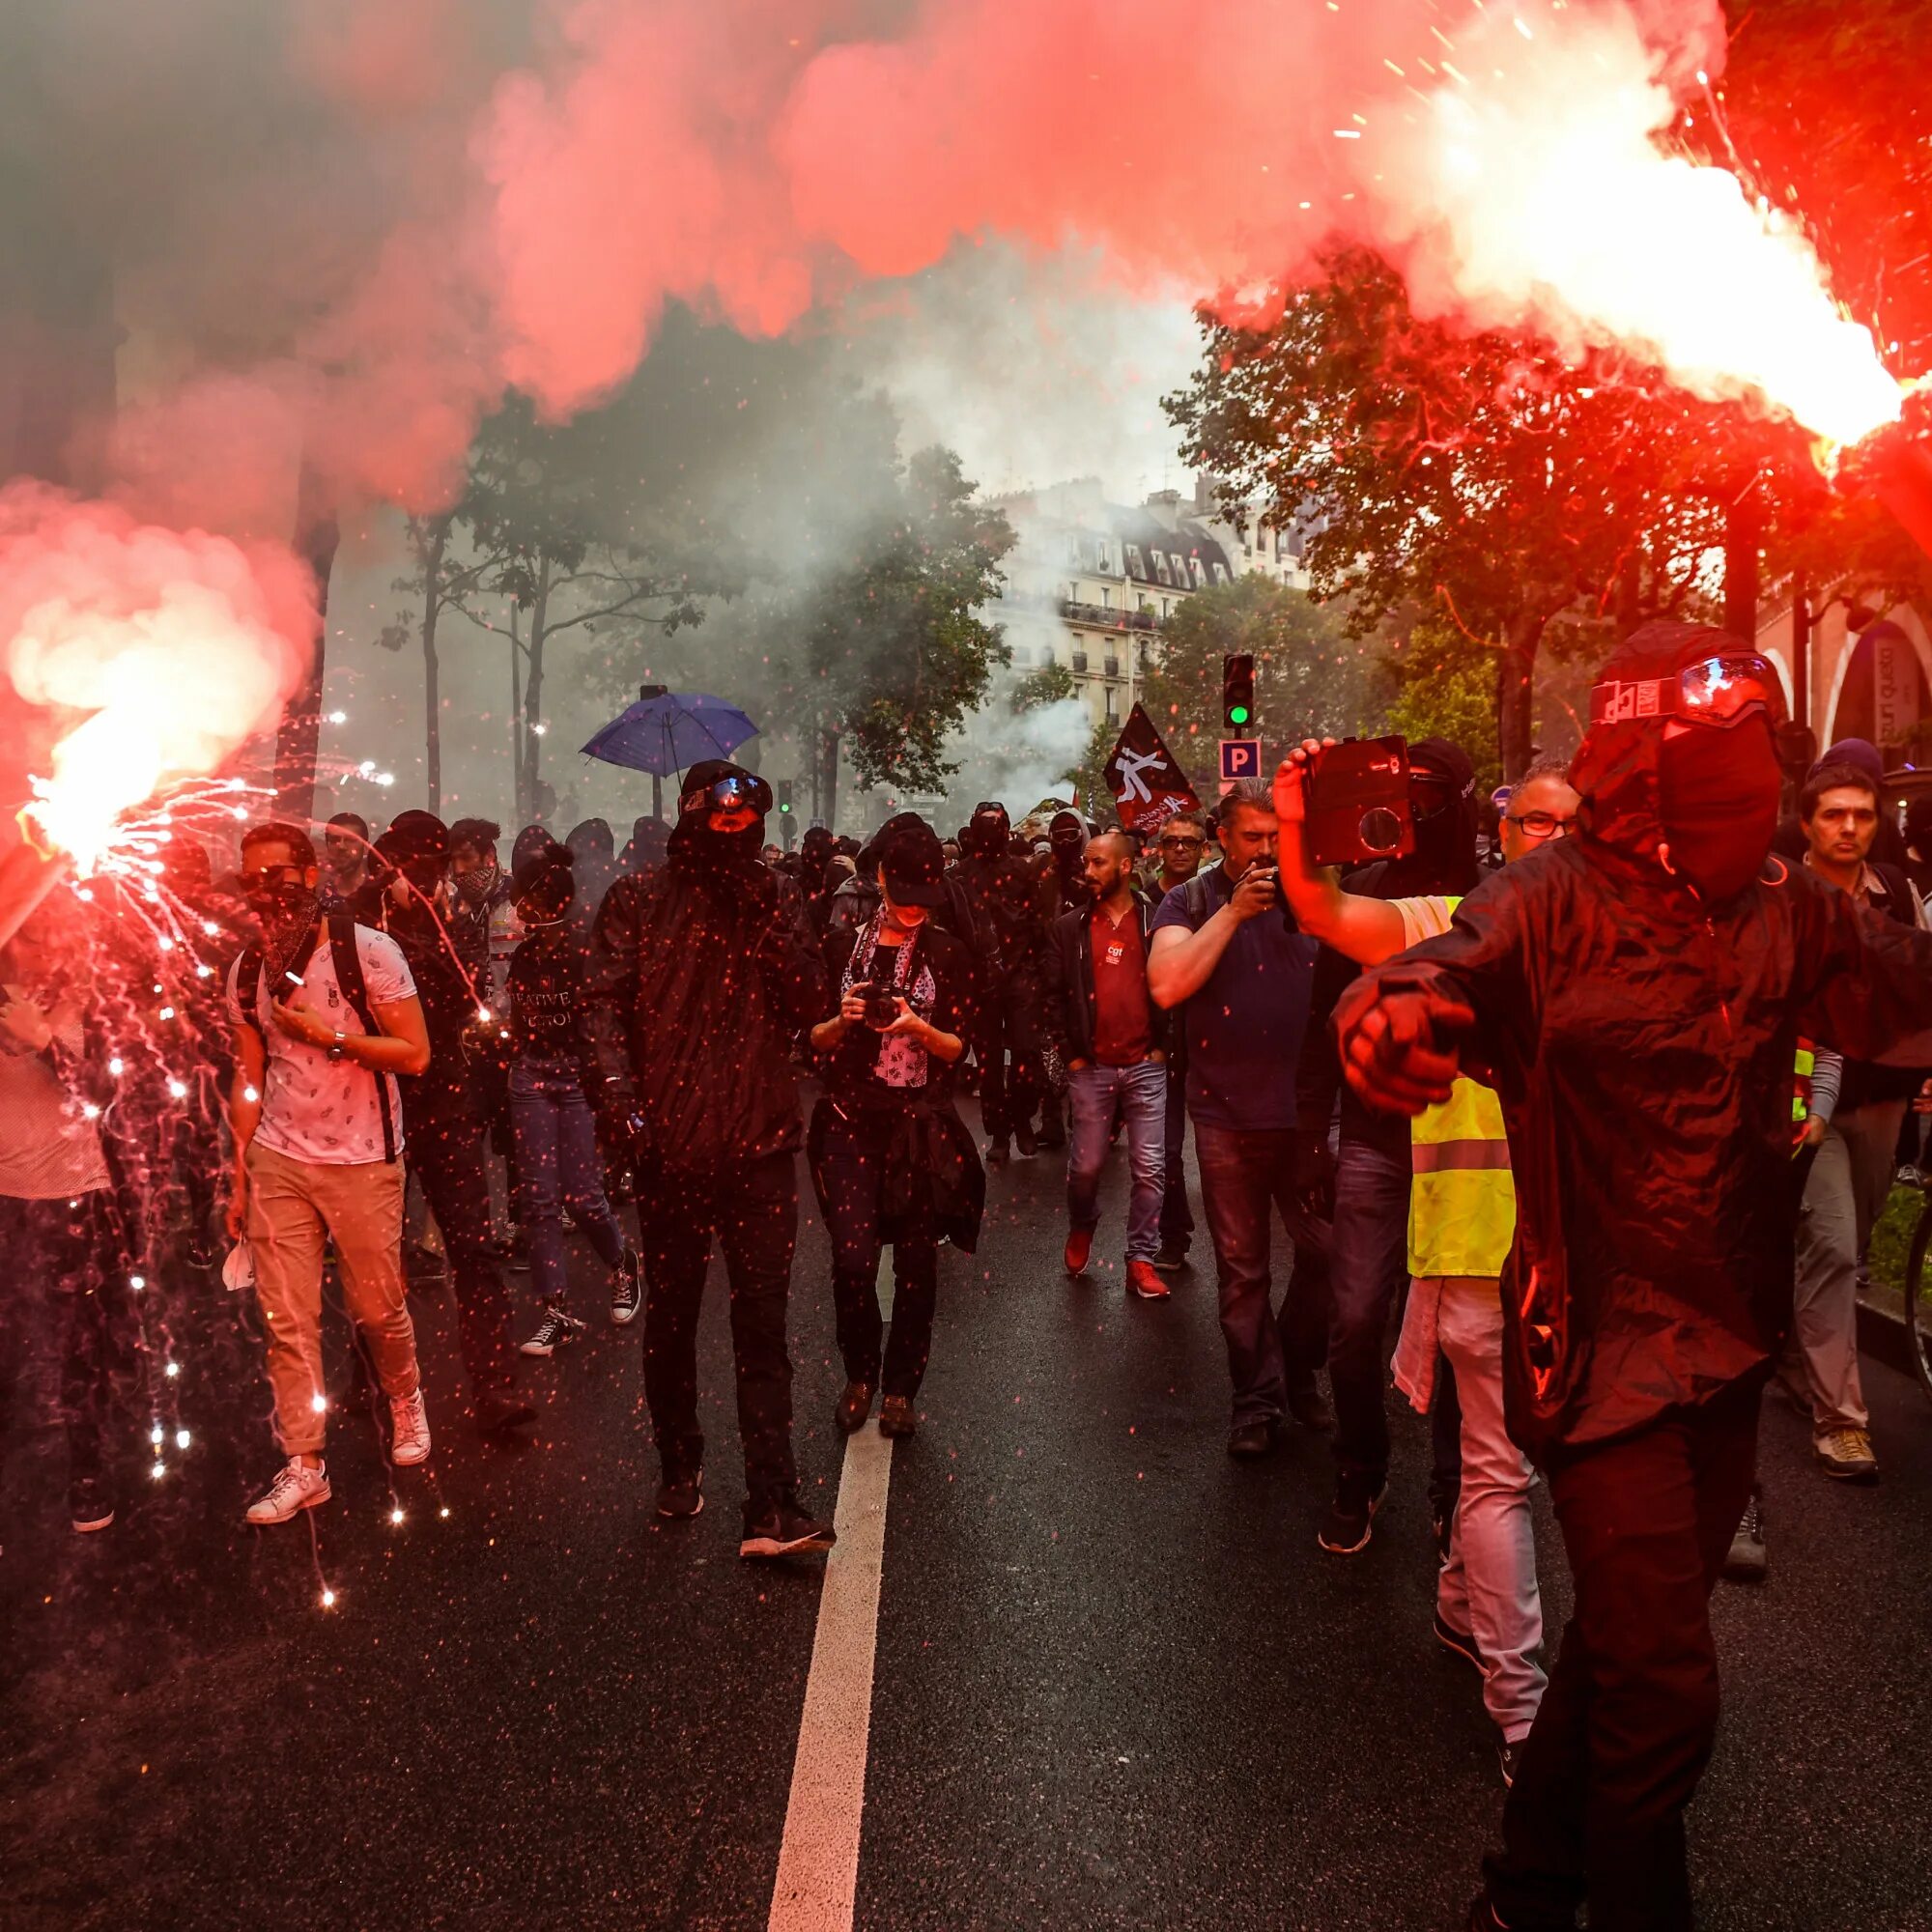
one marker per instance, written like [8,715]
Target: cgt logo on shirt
[1116,951]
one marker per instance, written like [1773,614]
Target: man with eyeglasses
[1634,993]
[1180,849]
[703,974]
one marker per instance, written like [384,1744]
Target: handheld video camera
[1358,809]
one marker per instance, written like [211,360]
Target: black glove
[1314,1173]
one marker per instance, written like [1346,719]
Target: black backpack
[341,927]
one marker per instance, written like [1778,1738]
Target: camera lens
[1381,829]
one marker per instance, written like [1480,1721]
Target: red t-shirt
[1122,1021]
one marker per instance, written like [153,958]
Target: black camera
[882,1008]
[1357,802]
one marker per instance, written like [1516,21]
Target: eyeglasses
[1185,841]
[1714,691]
[1542,824]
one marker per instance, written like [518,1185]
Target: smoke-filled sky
[325,237]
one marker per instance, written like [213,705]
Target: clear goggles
[728,794]
[1714,691]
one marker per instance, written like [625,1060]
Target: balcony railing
[1101,618]
[1079,660]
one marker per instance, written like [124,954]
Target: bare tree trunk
[432,690]
[1515,674]
[533,690]
[829,763]
[525,815]
[1744,531]
[297,737]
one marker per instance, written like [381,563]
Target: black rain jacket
[700,975]
[1642,1044]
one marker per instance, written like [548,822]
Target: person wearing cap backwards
[701,975]
[892,1161]
[1635,997]
[445,1109]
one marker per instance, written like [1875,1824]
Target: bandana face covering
[1717,800]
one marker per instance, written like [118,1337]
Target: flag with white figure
[1148,784]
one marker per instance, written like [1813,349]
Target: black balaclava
[1445,858]
[1718,793]
[736,857]
[417,845]
[989,835]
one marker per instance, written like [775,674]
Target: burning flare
[154,654]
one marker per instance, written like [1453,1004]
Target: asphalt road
[1117,1684]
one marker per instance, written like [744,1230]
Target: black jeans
[1009,1099]
[446,1152]
[1177,1220]
[66,1263]
[1244,1176]
[847,1173]
[1628,1722]
[1369,1259]
[752,1213]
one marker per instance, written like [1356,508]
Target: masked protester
[446,1108]
[1066,841]
[892,1161]
[1635,994]
[325,1016]
[1004,895]
[1368,1177]
[700,978]
[593,855]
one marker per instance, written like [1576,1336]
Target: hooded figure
[649,839]
[1067,839]
[1634,993]
[593,855]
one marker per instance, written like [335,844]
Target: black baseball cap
[914,862]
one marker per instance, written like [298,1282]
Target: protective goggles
[733,793]
[1714,691]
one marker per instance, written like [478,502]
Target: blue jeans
[1244,1177]
[1368,1260]
[1177,1222]
[1093,1094]
[558,1167]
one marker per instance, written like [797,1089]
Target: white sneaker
[296,1488]
[409,1442]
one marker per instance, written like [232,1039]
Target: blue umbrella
[668,730]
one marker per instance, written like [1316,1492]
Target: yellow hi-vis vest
[1461,1202]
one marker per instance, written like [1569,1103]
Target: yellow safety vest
[1461,1204]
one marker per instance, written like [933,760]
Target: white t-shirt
[48,1148]
[1425,917]
[313,1108]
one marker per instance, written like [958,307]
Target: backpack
[347,962]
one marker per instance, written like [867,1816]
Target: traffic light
[785,794]
[1237,695]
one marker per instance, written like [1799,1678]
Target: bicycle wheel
[1919,1297]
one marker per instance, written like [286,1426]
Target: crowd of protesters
[1593,1116]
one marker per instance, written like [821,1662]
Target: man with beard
[1635,995]
[325,1017]
[699,980]
[444,1110]
[1004,894]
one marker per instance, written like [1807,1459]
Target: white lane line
[818,1860]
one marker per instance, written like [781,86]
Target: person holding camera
[1223,952]
[892,1162]
[1113,1039]
[702,975]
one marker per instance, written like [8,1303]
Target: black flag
[1148,786]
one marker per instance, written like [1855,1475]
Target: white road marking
[818,1860]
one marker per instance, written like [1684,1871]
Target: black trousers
[1008,1096]
[847,1171]
[1631,1714]
[447,1153]
[751,1212]
[66,1265]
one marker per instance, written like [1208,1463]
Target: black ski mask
[1717,801]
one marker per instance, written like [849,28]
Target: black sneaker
[90,1505]
[627,1286]
[1251,1441]
[783,1529]
[681,1495]
[423,1266]
[997,1153]
[1026,1143]
[1352,1514]
[552,1332]
[1172,1258]
[1463,1642]
[1052,1135]
[1749,1561]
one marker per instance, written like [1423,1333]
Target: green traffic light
[1238,714]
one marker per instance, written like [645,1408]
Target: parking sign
[1240,758]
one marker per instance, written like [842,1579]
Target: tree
[1048,684]
[1310,676]
[1479,475]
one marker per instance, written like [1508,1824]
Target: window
[1220,573]
[1135,565]
[1080,660]
[1160,569]
[1199,574]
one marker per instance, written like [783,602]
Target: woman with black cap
[890,1159]
[559,1165]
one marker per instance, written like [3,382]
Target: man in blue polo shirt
[1225,951]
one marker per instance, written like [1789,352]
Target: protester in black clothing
[1004,893]
[700,978]
[892,1161]
[1371,1169]
[1066,841]
[1635,994]
[443,1115]
[593,855]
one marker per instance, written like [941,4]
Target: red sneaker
[1079,1245]
[1144,1283]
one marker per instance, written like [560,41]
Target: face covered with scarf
[1717,791]
[720,822]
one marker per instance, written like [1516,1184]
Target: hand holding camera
[1259,888]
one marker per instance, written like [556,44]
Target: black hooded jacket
[1642,1044]
[700,975]
[1002,895]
